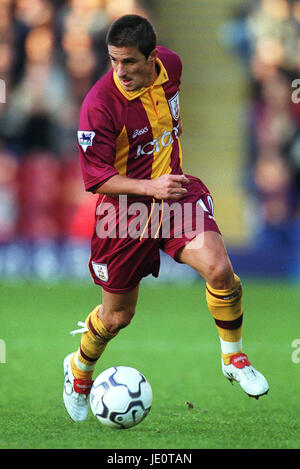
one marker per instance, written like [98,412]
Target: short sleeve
[96,138]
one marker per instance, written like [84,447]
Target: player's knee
[220,274]
[119,319]
[124,318]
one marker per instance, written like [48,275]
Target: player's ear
[153,55]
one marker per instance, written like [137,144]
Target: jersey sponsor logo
[174,106]
[85,138]
[158,143]
[101,271]
[138,132]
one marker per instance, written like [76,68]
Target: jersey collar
[130,95]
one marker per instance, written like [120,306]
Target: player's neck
[156,70]
[155,73]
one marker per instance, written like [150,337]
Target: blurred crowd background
[51,53]
[265,35]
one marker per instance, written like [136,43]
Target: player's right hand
[168,186]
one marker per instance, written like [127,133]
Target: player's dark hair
[132,31]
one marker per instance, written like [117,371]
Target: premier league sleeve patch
[85,138]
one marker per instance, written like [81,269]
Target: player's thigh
[120,301]
[207,254]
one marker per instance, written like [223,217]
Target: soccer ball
[121,397]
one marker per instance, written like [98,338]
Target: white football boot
[251,381]
[76,393]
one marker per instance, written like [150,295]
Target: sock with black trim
[226,308]
[92,345]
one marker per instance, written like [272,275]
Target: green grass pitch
[173,341]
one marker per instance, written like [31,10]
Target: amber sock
[226,308]
[92,345]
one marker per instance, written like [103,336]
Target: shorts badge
[100,271]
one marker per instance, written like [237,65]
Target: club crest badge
[174,106]
[101,271]
[85,138]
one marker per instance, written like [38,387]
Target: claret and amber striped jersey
[134,134]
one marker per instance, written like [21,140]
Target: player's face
[132,68]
